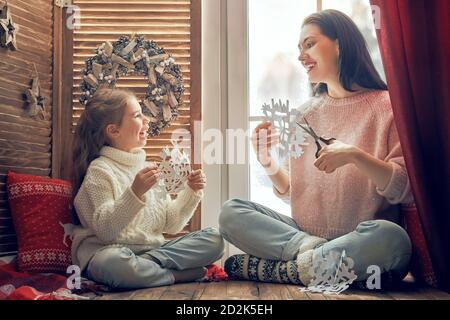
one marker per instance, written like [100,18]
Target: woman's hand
[145,180]
[335,155]
[263,138]
[197,180]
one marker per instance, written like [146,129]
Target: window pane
[274,73]
[261,187]
[361,13]
[274,33]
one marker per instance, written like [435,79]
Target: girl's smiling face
[319,55]
[132,131]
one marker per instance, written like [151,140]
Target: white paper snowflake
[331,274]
[175,167]
[283,119]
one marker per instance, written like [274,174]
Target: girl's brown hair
[104,108]
[355,63]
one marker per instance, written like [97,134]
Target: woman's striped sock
[247,267]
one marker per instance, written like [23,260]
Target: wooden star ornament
[35,99]
[8,29]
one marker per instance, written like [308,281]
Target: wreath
[134,55]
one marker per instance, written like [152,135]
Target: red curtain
[414,39]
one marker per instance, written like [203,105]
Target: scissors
[313,134]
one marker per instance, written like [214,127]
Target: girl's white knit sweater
[112,215]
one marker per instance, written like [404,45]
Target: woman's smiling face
[319,55]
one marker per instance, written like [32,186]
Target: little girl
[120,241]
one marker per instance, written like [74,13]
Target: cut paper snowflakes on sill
[175,167]
[283,118]
[331,274]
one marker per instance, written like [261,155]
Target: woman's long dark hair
[355,63]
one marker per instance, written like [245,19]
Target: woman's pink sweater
[331,205]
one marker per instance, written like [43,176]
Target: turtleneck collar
[131,159]
[349,100]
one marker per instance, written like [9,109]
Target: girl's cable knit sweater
[112,215]
[331,205]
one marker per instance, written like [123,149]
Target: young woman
[120,242]
[344,199]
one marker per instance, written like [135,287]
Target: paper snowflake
[175,168]
[283,118]
[331,274]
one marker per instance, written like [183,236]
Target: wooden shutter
[173,24]
[25,143]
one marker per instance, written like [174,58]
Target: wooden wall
[25,143]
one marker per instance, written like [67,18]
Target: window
[274,69]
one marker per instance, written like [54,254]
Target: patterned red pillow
[40,208]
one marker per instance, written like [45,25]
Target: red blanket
[16,285]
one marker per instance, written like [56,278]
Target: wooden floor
[243,290]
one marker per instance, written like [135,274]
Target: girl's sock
[247,267]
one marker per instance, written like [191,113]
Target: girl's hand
[197,180]
[263,138]
[335,155]
[145,180]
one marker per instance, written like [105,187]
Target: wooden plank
[24,145]
[32,171]
[242,290]
[22,69]
[149,294]
[8,238]
[62,95]
[43,64]
[38,27]
[296,293]
[17,91]
[214,291]
[274,291]
[6,223]
[25,121]
[411,292]
[5,213]
[23,79]
[22,83]
[123,295]
[199,290]
[25,129]
[7,249]
[37,10]
[435,293]
[23,162]
[183,291]
[18,136]
[31,41]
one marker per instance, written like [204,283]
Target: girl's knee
[111,263]
[216,244]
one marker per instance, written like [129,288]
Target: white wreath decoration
[137,56]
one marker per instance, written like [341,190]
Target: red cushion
[421,266]
[41,212]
